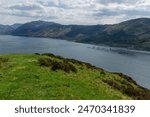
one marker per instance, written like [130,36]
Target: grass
[50,77]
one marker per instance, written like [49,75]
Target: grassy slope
[22,77]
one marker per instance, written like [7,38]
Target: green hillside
[46,76]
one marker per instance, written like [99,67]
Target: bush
[113,84]
[128,78]
[51,55]
[128,89]
[74,61]
[45,62]
[3,60]
[37,53]
[67,67]
[55,65]
[48,54]
[102,73]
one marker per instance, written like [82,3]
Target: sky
[73,11]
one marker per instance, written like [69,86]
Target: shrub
[129,90]
[3,60]
[113,84]
[102,73]
[37,53]
[55,65]
[67,67]
[48,54]
[51,55]
[74,61]
[45,62]
[128,78]
[89,66]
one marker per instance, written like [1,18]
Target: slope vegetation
[46,76]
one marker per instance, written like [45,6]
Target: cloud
[74,11]
[26,6]
[31,10]
[117,1]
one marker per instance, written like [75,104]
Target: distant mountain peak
[42,22]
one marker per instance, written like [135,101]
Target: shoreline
[92,44]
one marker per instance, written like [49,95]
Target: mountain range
[132,34]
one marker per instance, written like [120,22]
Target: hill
[46,76]
[133,34]
[15,26]
[5,29]
[54,30]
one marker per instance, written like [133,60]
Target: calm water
[133,63]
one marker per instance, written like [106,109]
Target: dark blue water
[133,63]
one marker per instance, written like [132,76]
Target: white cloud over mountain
[73,11]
